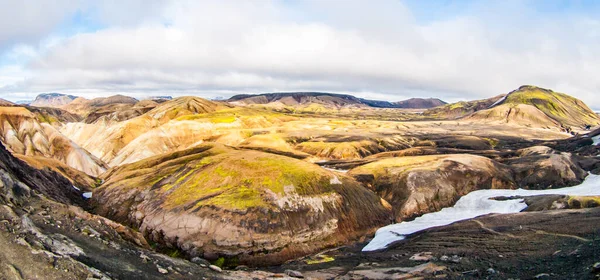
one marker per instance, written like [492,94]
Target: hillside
[52,100]
[537,107]
[460,109]
[564,109]
[247,206]
[31,134]
[4,102]
[420,103]
[151,132]
[116,107]
[526,106]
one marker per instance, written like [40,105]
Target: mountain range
[283,181]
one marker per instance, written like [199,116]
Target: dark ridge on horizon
[409,103]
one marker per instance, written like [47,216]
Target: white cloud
[29,20]
[375,47]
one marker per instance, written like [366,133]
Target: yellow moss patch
[320,259]
[577,202]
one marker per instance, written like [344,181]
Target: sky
[381,49]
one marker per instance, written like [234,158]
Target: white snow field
[472,205]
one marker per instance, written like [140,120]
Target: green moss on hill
[565,109]
[214,175]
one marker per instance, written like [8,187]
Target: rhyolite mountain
[332,100]
[527,105]
[539,107]
[34,134]
[56,100]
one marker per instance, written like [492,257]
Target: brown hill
[420,103]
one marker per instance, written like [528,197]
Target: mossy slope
[564,109]
[212,200]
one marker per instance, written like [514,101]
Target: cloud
[221,47]
[27,21]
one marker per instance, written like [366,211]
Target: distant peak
[54,94]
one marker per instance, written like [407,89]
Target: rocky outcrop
[422,184]
[247,206]
[541,167]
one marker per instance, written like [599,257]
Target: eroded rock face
[18,180]
[423,184]
[541,167]
[254,207]
[22,133]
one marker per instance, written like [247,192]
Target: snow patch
[596,140]
[472,205]
[76,188]
[335,181]
[335,170]
[87,195]
[499,101]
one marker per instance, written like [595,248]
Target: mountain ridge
[339,99]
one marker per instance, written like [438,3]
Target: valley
[278,185]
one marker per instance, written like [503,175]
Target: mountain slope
[17,179]
[109,140]
[4,102]
[564,109]
[187,105]
[22,133]
[541,108]
[519,114]
[112,108]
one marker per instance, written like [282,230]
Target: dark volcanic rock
[19,179]
[518,246]
[545,169]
